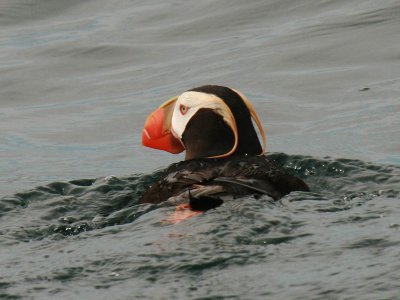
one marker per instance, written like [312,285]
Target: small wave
[69,208]
[17,11]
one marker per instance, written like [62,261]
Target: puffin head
[210,121]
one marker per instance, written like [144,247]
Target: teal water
[77,80]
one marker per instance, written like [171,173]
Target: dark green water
[89,238]
[77,80]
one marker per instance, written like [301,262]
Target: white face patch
[189,103]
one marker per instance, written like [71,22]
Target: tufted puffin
[224,158]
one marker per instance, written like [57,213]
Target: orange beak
[157,130]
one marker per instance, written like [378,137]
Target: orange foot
[182,212]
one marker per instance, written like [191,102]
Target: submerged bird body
[223,179]
[224,157]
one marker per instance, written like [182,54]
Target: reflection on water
[88,73]
[77,80]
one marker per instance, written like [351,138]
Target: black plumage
[223,178]
[223,161]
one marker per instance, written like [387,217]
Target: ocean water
[77,80]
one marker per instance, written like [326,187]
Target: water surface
[77,80]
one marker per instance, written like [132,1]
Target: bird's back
[223,178]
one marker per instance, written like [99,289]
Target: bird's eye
[183,109]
